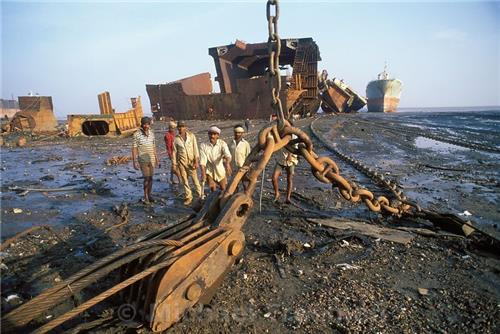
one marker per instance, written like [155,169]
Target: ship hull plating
[383,95]
[387,104]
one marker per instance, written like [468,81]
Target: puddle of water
[438,146]
[415,126]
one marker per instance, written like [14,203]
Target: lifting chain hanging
[323,168]
[274,50]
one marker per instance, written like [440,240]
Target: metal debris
[117,160]
[108,122]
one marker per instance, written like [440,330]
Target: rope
[97,299]
[26,312]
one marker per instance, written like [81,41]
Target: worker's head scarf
[214,129]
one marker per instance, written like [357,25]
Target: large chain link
[323,168]
[274,50]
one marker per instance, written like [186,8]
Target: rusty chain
[274,50]
[379,178]
[323,168]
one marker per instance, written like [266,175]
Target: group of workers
[215,159]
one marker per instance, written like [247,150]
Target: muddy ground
[329,281]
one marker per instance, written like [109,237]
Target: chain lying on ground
[446,220]
[379,178]
[427,134]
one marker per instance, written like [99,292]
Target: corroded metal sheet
[241,74]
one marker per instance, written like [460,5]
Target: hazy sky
[446,54]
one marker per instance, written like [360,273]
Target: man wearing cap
[169,144]
[239,147]
[215,160]
[144,155]
[185,158]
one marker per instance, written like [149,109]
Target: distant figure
[247,124]
[185,158]
[144,155]
[169,145]
[215,160]
[287,162]
[210,113]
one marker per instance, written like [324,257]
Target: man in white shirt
[215,160]
[239,147]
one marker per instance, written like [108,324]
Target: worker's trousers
[185,172]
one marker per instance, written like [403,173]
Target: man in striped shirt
[144,155]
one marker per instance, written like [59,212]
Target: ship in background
[383,94]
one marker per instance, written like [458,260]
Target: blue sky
[446,54]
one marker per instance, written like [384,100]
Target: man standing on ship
[185,158]
[239,148]
[169,144]
[215,160]
[144,155]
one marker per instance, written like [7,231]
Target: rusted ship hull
[387,104]
[244,91]
[36,115]
[338,99]
[337,96]
[173,102]
[108,122]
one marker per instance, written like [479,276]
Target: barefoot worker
[144,155]
[288,162]
[215,160]
[185,159]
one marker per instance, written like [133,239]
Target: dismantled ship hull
[337,96]
[108,122]
[383,94]
[36,115]
[244,91]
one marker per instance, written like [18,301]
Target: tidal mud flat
[296,274]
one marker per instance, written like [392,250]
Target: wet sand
[329,281]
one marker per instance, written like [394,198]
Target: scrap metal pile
[108,122]
[36,114]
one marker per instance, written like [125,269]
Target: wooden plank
[384,233]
